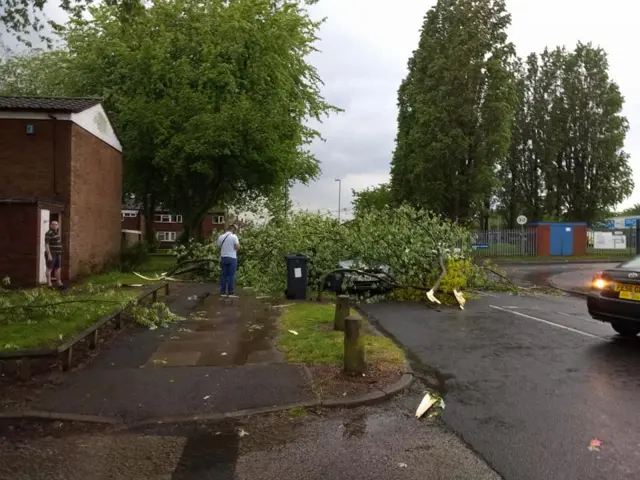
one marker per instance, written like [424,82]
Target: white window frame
[129,214]
[167,236]
[217,219]
[166,218]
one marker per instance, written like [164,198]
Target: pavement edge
[351,401]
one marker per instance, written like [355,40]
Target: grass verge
[53,316]
[156,264]
[558,259]
[318,344]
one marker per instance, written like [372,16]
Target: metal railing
[505,243]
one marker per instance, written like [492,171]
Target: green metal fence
[520,242]
[619,242]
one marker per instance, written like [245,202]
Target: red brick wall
[580,240]
[131,223]
[95,209]
[19,244]
[27,164]
[208,227]
[543,239]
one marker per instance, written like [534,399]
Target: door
[44,227]
[561,240]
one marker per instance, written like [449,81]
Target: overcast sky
[365,45]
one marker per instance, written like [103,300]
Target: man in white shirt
[229,246]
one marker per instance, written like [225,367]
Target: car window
[633,264]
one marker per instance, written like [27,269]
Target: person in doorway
[53,253]
[229,246]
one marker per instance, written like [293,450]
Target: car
[614,297]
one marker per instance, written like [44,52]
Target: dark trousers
[228,276]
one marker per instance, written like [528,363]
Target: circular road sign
[521,219]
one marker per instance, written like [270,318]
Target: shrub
[132,256]
[406,240]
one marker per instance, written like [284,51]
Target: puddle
[224,333]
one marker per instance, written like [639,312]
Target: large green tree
[455,109]
[566,160]
[371,199]
[210,98]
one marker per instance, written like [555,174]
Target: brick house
[167,225]
[59,159]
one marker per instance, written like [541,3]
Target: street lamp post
[339,195]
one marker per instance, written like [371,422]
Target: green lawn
[56,316]
[155,265]
[60,315]
[316,342]
[555,258]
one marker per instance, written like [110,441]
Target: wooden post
[67,357]
[24,368]
[93,340]
[166,289]
[354,363]
[342,312]
[118,319]
[154,296]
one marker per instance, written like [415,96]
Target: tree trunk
[149,210]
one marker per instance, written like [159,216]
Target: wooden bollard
[354,363]
[342,312]
[166,289]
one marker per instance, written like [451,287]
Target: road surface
[530,382]
[383,442]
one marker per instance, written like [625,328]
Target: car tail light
[597,282]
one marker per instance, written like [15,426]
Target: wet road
[383,442]
[530,382]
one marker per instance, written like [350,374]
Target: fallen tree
[418,248]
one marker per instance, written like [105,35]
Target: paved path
[530,382]
[220,359]
[382,443]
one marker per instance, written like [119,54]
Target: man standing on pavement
[229,246]
[53,253]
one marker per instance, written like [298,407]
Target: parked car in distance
[615,297]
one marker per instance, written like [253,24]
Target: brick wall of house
[40,172]
[131,223]
[43,169]
[95,207]
[19,243]
[211,224]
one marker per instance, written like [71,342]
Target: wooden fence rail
[65,350]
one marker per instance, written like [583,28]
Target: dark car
[615,297]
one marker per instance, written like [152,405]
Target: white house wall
[94,120]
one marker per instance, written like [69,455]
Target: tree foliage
[210,98]
[406,240]
[566,160]
[372,198]
[455,109]
[23,18]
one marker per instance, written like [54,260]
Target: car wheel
[626,329]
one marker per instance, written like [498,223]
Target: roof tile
[50,104]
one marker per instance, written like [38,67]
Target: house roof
[47,104]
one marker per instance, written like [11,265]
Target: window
[163,218]
[129,214]
[218,219]
[167,236]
